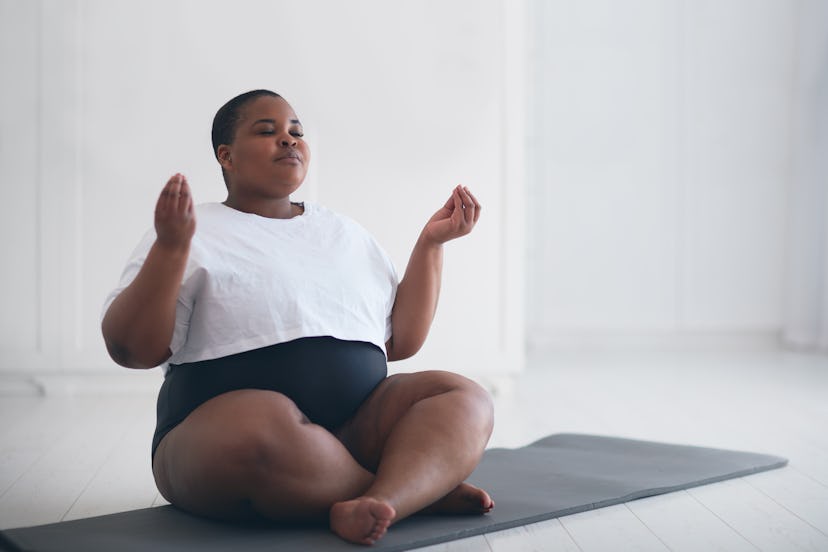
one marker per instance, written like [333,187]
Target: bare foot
[363,520]
[464,499]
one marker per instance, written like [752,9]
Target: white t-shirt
[253,281]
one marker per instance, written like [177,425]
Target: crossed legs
[409,447]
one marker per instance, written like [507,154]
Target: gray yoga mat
[556,476]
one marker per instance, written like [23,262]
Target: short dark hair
[228,116]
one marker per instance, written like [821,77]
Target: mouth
[290,157]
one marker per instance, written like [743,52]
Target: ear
[224,158]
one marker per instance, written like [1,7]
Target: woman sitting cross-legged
[273,321]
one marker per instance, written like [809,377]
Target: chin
[291,188]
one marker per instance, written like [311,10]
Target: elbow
[132,351]
[117,353]
[393,356]
[399,350]
[123,356]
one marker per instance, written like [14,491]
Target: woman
[273,323]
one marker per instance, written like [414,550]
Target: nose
[287,140]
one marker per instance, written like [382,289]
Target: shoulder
[212,211]
[216,219]
[333,219]
[352,232]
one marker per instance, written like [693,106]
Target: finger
[163,198]
[450,202]
[458,203]
[468,205]
[166,189]
[172,187]
[175,194]
[185,198]
[477,206]
[173,198]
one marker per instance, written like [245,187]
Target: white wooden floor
[64,458]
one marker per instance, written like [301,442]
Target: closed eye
[272,132]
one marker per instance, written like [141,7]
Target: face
[268,156]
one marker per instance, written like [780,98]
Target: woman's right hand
[138,326]
[175,220]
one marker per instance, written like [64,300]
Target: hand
[456,218]
[174,214]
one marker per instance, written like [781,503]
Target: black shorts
[327,378]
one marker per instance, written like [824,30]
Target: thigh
[365,434]
[208,463]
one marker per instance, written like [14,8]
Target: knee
[482,401]
[264,427]
[470,396]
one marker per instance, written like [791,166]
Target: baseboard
[16,386]
[127,382]
[760,340]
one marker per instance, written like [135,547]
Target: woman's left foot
[465,499]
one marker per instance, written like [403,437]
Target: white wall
[806,312]
[660,148]
[103,100]
[660,174]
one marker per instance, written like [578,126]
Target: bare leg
[423,433]
[462,500]
[252,453]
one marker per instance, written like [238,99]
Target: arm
[138,325]
[417,294]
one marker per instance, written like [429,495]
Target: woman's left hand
[456,218]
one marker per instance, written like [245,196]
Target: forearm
[139,324]
[416,300]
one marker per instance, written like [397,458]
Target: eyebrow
[273,121]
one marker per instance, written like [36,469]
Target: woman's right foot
[363,520]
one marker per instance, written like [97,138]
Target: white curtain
[806,320]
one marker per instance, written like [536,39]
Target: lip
[291,157]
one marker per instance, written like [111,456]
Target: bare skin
[246,453]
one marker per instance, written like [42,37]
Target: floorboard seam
[720,518]
[797,516]
[630,510]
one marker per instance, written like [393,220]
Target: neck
[280,208]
